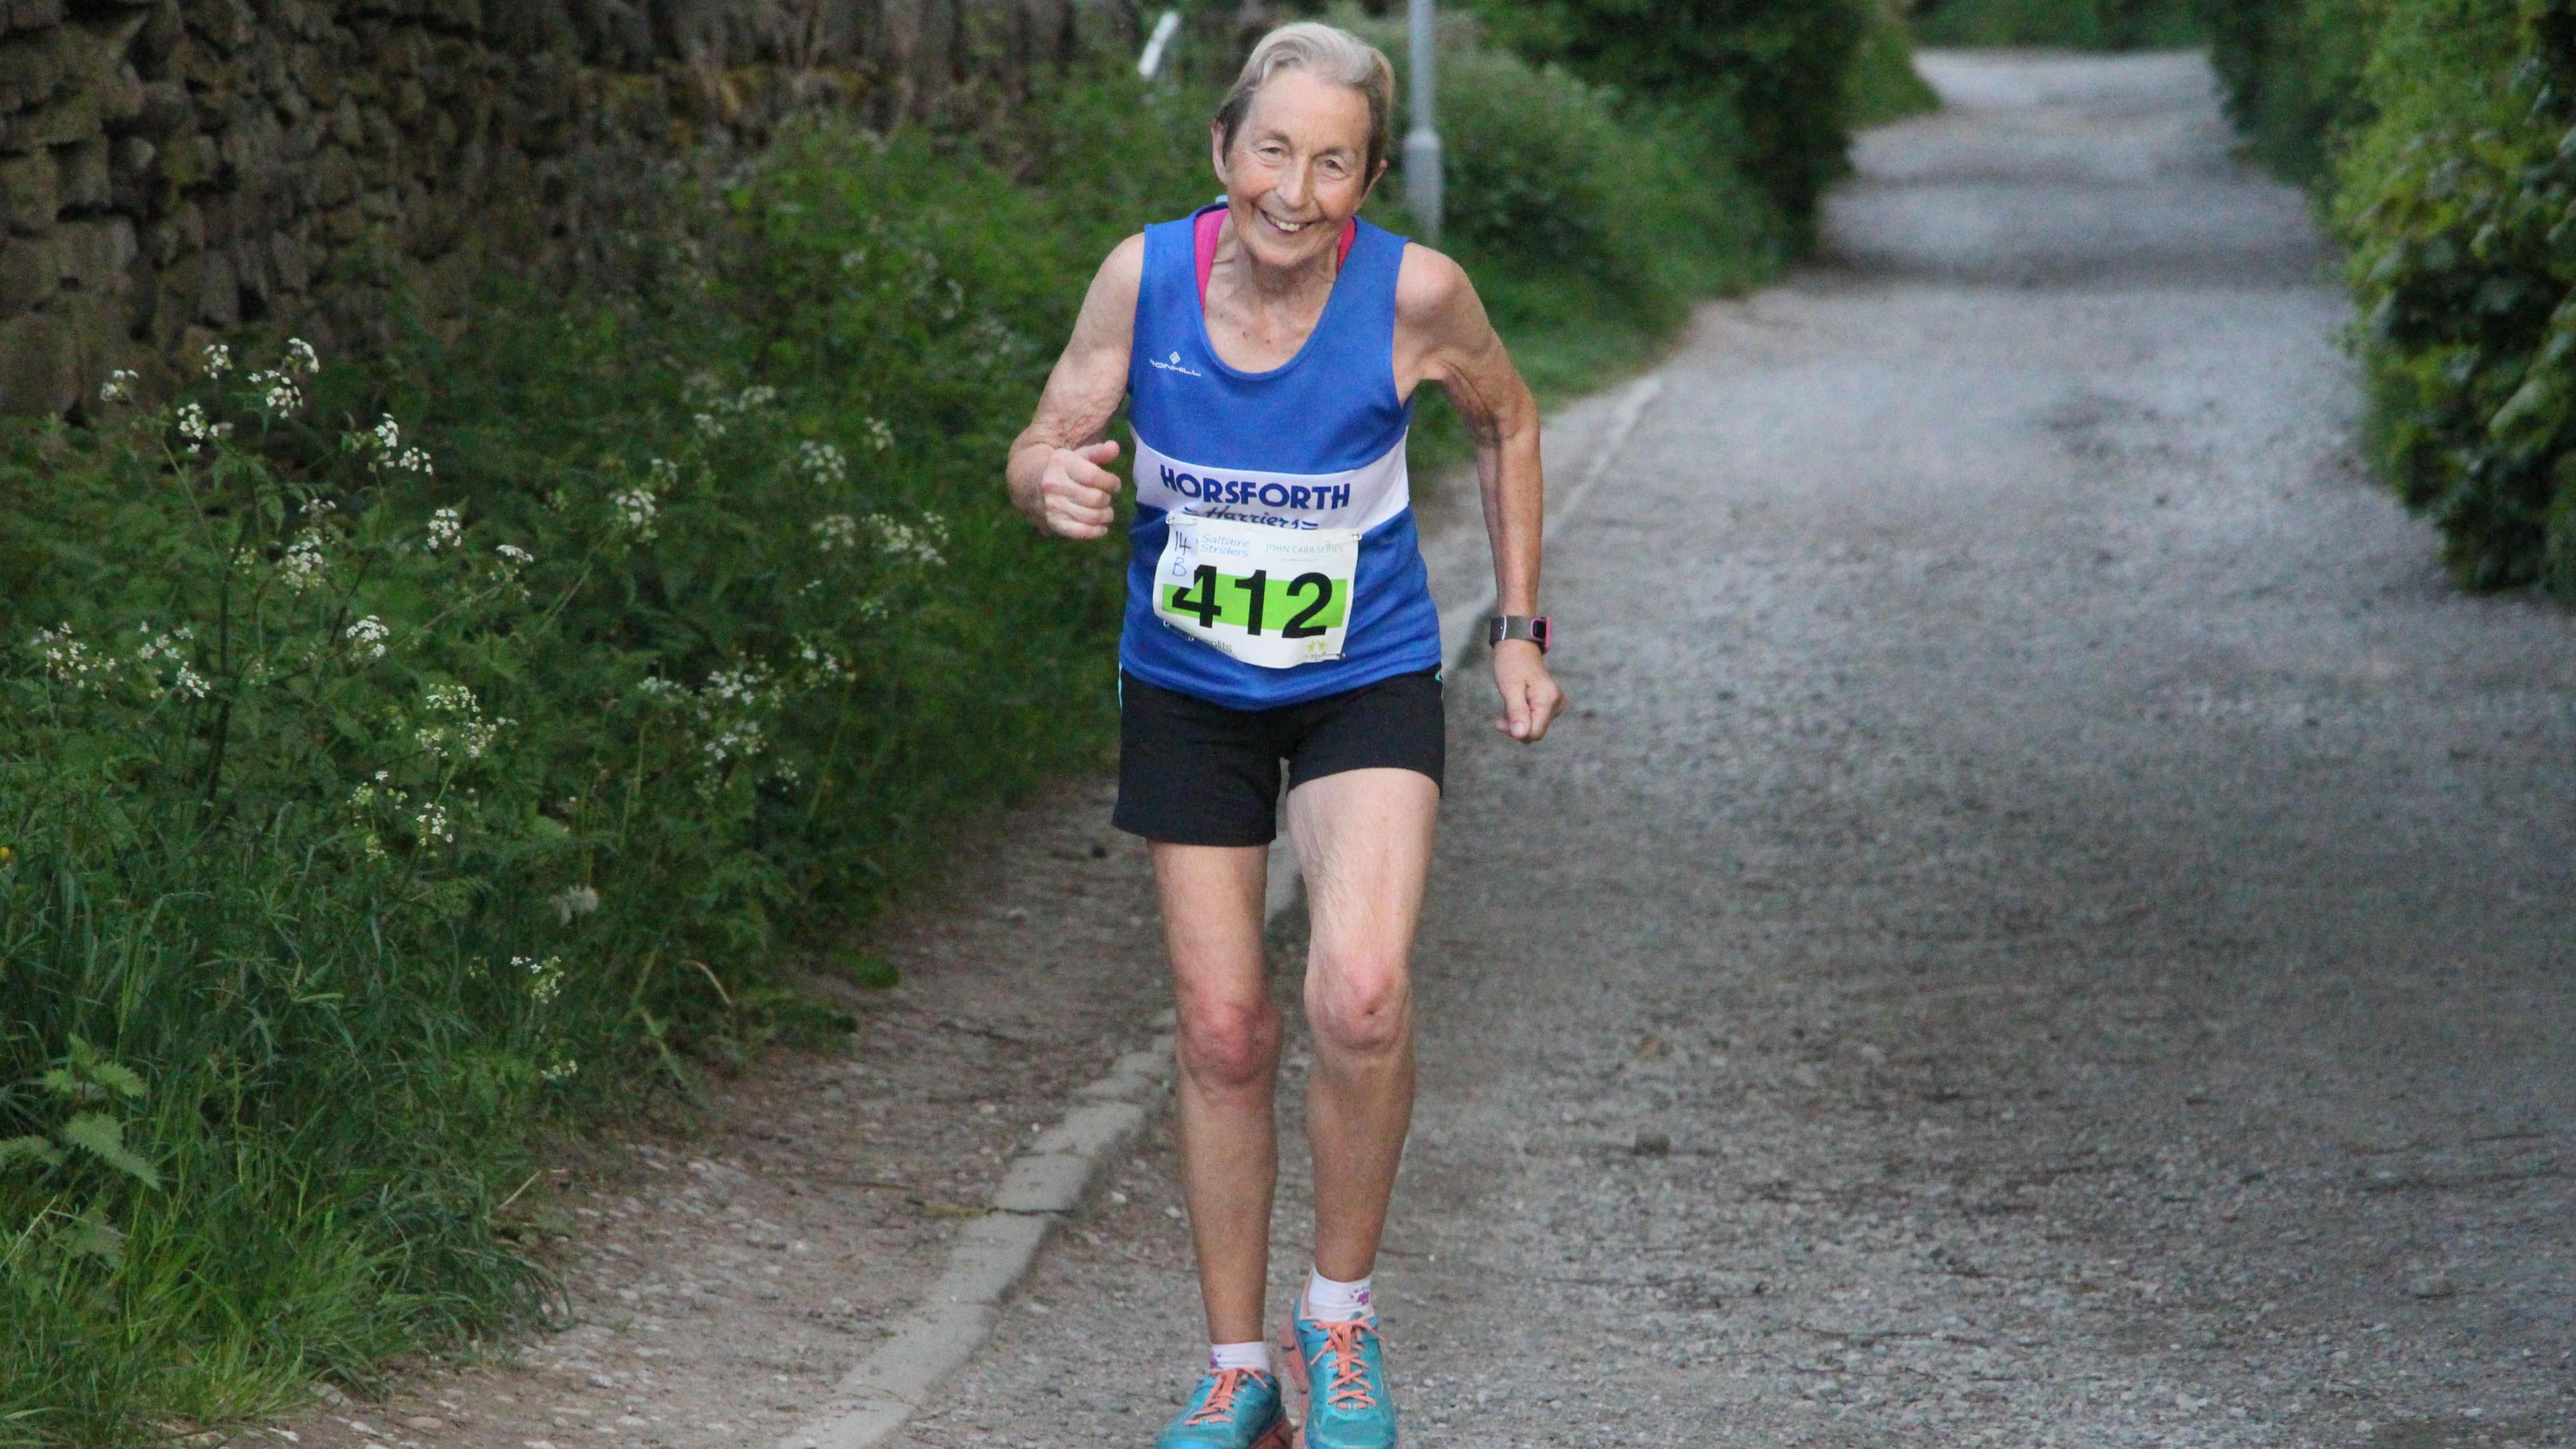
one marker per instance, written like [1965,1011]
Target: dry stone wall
[173,169]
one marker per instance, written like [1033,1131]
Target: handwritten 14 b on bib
[1272,597]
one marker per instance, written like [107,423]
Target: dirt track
[2054,923]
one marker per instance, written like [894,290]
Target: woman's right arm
[1056,472]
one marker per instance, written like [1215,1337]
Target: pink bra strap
[1211,223]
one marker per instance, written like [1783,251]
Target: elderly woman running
[1267,349]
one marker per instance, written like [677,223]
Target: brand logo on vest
[1174,366]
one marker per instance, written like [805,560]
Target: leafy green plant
[241,773]
[1884,84]
[2293,75]
[2434,133]
[1766,81]
[1550,188]
[2456,201]
[87,1088]
[379,789]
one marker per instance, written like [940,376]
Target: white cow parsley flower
[196,429]
[822,462]
[368,634]
[914,543]
[305,563]
[433,823]
[835,530]
[281,395]
[545,978]
[635,509]
[72,662]
[470,736]
[739,740]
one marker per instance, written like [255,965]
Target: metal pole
[1158,45]
[1422,142]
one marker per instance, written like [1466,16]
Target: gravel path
[2052,925]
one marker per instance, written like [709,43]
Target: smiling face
[1298,169]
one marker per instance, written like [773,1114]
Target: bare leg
[1229,1061]
[1364,842]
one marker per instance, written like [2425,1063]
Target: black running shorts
[1195,773]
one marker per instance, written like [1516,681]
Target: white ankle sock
[1328,1301]
[1254,1356]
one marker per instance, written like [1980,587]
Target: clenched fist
[1072,496]
[1531,700]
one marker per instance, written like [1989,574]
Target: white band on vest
[1362,498]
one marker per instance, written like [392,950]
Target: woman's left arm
[1443,336]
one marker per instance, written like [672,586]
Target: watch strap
[1532,627]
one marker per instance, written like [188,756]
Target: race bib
[1272,597]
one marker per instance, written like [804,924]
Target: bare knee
[1359,1007]
[1229,1044]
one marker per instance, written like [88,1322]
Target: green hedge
[1884,83]
[2081,24]
[2444,166]
[1589,232]
[402,759]
[1766,81]
[2292,74]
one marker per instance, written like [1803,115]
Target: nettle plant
[307,764]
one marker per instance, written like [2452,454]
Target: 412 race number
[1272,597]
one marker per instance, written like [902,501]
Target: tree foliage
[2082,24]
[1770,77]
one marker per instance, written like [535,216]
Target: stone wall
[173,169]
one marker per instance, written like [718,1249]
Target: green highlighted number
[1303,607]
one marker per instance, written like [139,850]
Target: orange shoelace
[1349,1389]
[1220,1400]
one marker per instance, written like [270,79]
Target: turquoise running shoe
[1230,1409]
[1342,1368]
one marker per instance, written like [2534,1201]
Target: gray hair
[1329,54]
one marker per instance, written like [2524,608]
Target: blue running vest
[1317,442]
